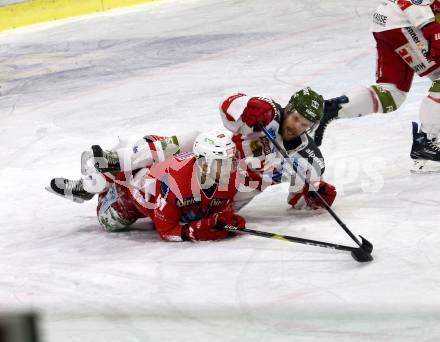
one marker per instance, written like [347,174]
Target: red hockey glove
[432,34]
[258,113]
[204,230]
[308,200]
[229,218]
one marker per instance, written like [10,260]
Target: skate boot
[331,110]
[99,160]
[425,152]
[69,189]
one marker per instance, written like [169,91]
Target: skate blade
[71,197]
[425,167]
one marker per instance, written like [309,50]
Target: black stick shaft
[289,238]
[284,153]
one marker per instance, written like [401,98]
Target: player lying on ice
[407,42]
[188,196]
[258,160]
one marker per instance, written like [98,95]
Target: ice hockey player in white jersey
[260,164]
[245,116]
[408,42]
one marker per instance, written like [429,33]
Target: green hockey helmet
[308,103]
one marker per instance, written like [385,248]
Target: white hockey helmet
[215,144]
[215,153]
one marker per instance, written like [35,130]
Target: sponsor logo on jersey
[184,156]
[419,68]
[256,148]
[416,51]
[416,39]
[266,145]
[410,57]
[380,19]
[217,202]
[315,159]
[405,55]
[185,202]
[260,147]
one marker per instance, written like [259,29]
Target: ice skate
[69,189]
[99,160]
[425,152]
[331,110]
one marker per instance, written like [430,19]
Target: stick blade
[367,246]
[361,255]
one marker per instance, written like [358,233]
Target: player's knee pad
[430,110]
[387,97]
[112,214]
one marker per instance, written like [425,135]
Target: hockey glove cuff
[204,230]
[259,112]
[308,199]
[229,218]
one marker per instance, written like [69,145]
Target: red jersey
[173,197]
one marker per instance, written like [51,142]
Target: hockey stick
[357,253]
[365,245]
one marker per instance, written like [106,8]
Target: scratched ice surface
[163,68]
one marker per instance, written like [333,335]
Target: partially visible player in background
[408,42]
[260,165]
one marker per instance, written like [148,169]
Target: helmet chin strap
[310,130]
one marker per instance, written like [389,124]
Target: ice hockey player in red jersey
[258,160]
[408,42]
[188,196]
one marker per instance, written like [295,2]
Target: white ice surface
[163,68]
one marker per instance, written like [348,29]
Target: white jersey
[392,14]
[257,155]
